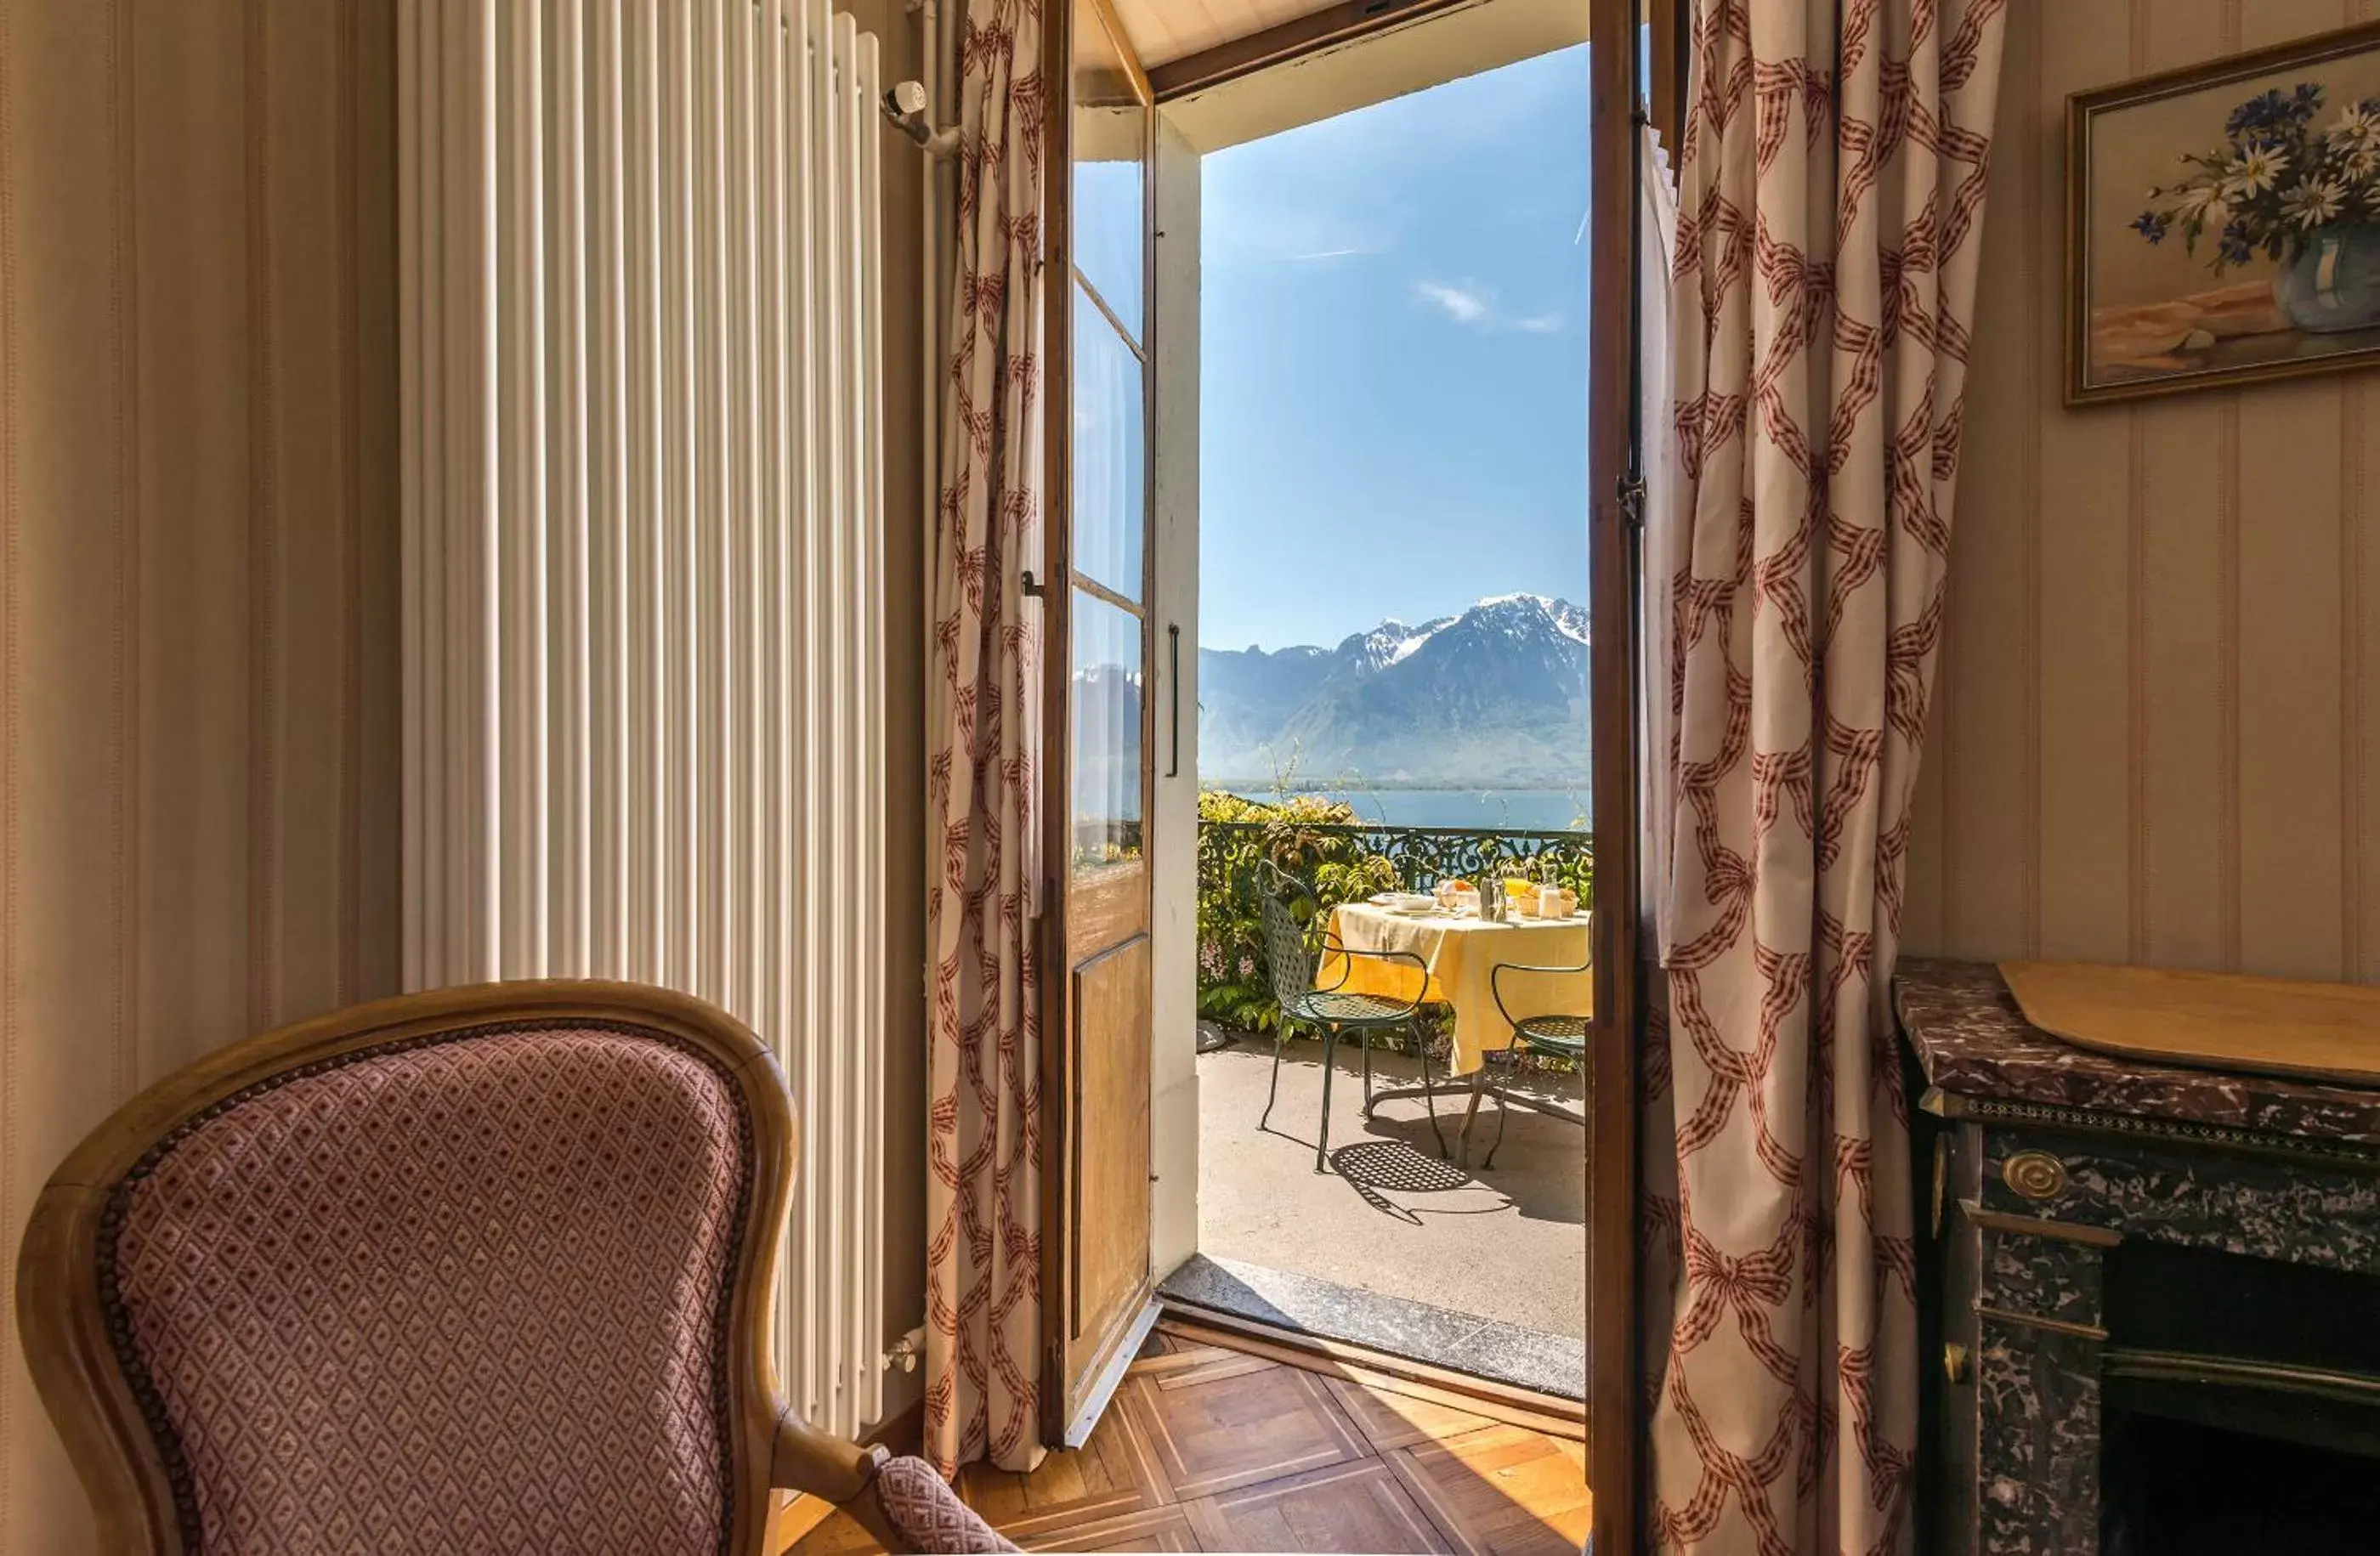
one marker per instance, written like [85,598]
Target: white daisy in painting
[2201,202]
[2356,126]
[2256,172]
[2314,201]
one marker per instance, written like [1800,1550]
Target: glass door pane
[1111,485]
[1109,651]
[1110,134]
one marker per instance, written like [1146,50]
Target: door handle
[1173,685]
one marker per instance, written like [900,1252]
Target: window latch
[1631,496]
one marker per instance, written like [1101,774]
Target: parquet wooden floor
[1212,1449]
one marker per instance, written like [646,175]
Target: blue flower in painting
[2270,112]
[2274,181]
[2258,113]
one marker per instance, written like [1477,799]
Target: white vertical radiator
[643,506]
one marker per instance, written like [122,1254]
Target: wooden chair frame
[64,1321]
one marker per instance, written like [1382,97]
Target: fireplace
[2242,1405]
[2154,1292]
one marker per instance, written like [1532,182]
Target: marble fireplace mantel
[1973,1041]
[2036,1160]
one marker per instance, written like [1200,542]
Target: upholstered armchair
[486,1269]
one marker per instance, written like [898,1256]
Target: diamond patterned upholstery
[467,1293]
[928,1516]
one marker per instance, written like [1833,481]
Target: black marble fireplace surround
[2152,1321]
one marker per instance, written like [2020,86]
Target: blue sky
[1393,360]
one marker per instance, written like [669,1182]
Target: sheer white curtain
[1664,522]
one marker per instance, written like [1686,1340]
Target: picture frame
[2223,222]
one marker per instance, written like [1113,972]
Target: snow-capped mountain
[1494,697]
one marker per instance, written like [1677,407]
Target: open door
[1097,1055]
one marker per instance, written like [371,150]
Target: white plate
[1402,901]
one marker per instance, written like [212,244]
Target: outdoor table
[1461,954]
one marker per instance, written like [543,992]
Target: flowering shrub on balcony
[1234,984]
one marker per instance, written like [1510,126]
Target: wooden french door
[1096,1068]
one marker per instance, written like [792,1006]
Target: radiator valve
[908,1351]
[909,110]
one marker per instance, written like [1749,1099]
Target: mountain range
[1494,697]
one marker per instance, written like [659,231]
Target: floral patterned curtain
[1830,209]
[983,1258]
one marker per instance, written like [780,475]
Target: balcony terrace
[1475,1266]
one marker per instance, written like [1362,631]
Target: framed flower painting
[2223,222]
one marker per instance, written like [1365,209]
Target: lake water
[1521,809]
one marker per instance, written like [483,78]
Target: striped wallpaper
[2157,725]
[197,566]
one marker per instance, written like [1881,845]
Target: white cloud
[1475,306]
[1464,308]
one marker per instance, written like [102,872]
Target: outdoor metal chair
[1561,1036]
[1333,1012]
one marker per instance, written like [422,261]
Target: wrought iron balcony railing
[1419,857]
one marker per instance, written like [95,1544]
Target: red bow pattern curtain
[1830,227]
[983,1253]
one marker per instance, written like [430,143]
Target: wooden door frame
[1616,1418]
[1665,92]
[1057,1057]
[1342,22]
[1616,1421]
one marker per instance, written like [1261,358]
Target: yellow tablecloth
[1461,955]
